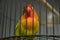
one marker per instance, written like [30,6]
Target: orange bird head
[28,9]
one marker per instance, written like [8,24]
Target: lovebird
[28,24]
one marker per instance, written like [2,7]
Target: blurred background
[11,10]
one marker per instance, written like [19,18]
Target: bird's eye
[32,7]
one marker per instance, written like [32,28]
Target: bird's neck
[27,15]
[33,13]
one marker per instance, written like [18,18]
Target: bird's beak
[28,10]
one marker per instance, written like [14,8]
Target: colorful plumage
[29,23]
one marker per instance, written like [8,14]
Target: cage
[48,14]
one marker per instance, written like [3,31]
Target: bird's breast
[29,23]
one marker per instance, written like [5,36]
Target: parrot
[28,24]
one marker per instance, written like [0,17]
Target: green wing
[18,28]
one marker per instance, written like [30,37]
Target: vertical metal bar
[32,20]
[58,3]
[20,18]
[57,6]
[0,15]
[0,12]
[4,21]
[14,17]
[46,23]
[10,18]
[58,10]
[3,18]
[21,11]
[53,23]
[33,23]
[40,20]
[26,19]
[57,17]
[53,26]
[26,24]
[6,16]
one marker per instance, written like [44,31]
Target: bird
[28,24]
